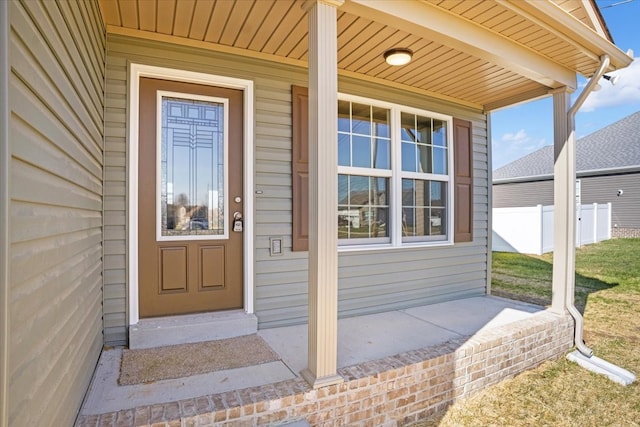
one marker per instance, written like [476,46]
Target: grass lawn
[560,393]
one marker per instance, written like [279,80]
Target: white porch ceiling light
[398,56]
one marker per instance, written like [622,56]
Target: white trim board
[136,71]
[5,155]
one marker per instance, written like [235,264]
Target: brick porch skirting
[393,391]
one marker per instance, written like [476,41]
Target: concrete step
[171,330]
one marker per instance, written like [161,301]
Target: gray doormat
[183,360]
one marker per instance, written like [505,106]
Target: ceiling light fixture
[398,56]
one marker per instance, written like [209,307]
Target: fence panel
[547,229]
[530,230]
[510,233]
[586,220]
[603,225]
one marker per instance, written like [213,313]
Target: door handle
[237,222]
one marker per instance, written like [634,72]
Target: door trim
[136,71]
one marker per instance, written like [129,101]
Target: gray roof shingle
[613,147]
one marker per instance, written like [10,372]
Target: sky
[522,129]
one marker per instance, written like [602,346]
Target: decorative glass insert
[424,211]
[192,169]
[363,136]
[424,144]
[363,207]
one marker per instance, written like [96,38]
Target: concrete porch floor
[360,339]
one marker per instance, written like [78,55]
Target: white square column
[564,200]
[323,193]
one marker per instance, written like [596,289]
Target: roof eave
[575,31]
[518,179]
[579,174]
[600,19]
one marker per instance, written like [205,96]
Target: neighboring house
[101,227]
[608,171]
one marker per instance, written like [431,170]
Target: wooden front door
[190,189]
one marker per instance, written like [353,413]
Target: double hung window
[405,176]
[425,177]
[364,172]
[394,167]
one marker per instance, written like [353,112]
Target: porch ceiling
[485,54]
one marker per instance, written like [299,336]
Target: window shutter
[300,167]
[463,181]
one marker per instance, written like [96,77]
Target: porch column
[564,200]
[323,193]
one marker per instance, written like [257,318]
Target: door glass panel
[192,170]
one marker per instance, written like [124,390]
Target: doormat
[183,360]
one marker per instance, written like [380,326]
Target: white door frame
[136,71]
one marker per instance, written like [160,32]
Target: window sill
[389,246]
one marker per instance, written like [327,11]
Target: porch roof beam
[436,24]
[517,99]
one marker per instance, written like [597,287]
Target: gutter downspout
[571,125]
[584,355]
[4,213]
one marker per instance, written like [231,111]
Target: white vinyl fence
[530,230]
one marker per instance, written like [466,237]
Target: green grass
[560,393]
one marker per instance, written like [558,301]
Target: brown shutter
[300,167]
[463,181]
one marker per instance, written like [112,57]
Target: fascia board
[596,18]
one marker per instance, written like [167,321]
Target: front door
[190,191]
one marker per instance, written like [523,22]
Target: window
[404,175]
[425,179]
[364,173]
[369,212]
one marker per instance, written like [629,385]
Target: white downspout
[571,124]
[583,356]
